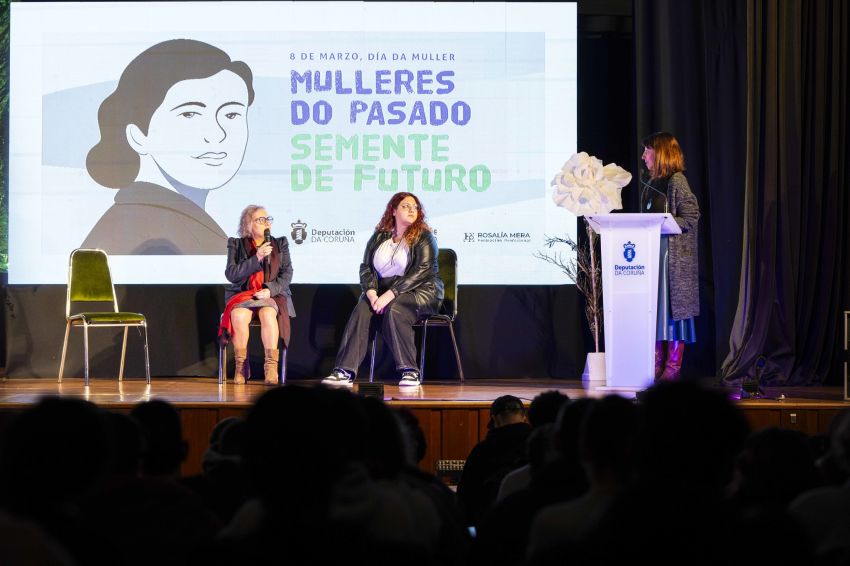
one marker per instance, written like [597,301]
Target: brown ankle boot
[243,370]
[270,366]
[675,354]
[660,351]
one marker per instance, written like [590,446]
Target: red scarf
[255,283]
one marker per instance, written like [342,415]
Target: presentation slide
[144,129]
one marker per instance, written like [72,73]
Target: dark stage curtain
[794,268]
[503,332]
[690,80]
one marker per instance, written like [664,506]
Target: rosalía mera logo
[629,251]
[299,231]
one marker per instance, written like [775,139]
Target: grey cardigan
[683,267]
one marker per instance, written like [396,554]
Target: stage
[453,415]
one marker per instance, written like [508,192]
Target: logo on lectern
[629,251]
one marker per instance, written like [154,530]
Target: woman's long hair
[669,158]
[387,222]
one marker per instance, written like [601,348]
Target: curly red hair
[387,222]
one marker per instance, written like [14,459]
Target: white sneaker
[409,378]
[339,377]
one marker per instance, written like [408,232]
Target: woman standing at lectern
[678,276]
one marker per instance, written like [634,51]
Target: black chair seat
[441,319]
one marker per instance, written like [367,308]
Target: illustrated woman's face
[197,136]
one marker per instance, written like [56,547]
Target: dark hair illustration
[141,89]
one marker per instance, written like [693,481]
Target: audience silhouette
[606,449]
[322,476]
[556,475]
[543,410]
[501,452]
[824,512]
[223,484]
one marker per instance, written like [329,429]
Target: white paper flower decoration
[584,186]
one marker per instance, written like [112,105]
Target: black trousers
[396,327]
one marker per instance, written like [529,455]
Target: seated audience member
[502,451]
[388,458]
[689,438]
[222,485]
[164,447]
[24,543]
[774,467]
[453,547]
[542,411]
[53,456]
[314,500]
[556,475]
[129,445]
[825,512]
[828,463]
[151,517]
[606,448]
[400,279]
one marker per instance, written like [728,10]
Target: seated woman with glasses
[400,279]
[259,270]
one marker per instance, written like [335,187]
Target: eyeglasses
[409,207]
[264,219]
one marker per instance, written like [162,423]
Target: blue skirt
[666,328]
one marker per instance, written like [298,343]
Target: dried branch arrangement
[585,186]
[583,269]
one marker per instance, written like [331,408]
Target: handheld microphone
[267,238]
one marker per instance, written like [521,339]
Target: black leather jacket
[421,278]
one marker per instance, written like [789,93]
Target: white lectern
[630,255]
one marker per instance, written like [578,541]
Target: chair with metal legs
[90,281]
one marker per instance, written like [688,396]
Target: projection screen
[145,128]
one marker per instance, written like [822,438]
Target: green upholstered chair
[90,281]
[447,260]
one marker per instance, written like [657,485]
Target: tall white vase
[594,370]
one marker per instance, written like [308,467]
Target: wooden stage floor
[453,415]
[194,391]
[198,391]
